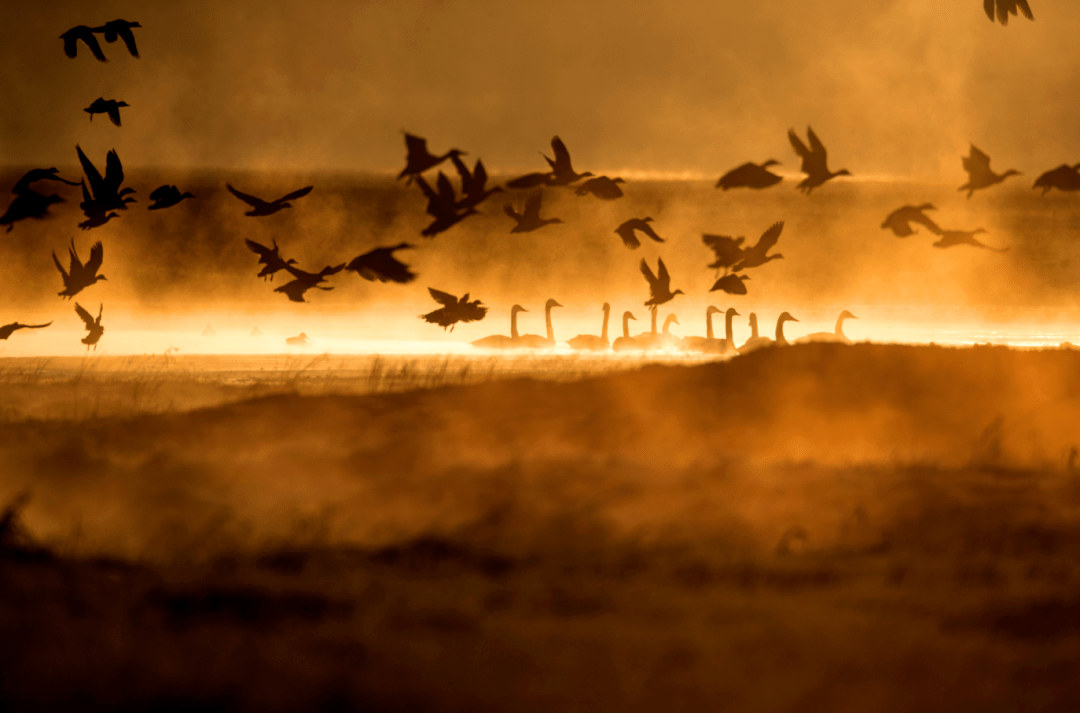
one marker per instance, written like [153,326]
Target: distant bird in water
[270,258]
[106,191]
[732,284]
[299,341]
[1063,178]
[535,341]
[259,207]
[121,29]
[443,206]
[814,161]
[380,264]
[72,37]
[95,330]
[602,187]
[8,329]
[418,159]
[256,332]
[454,310]
[591,342]
[626,342]
[727,250]
[27,204]
[950,238]
[209,331]
[473,185]
[756,256]
[750,175]
[306,280]
[899,221]
[529,219]
[709,344]
[79,276]
[835,336]
[627,229]
[39,174]
[659,284]
[167,197]
[501,341]
[977,165]
[562,172]
[755,341]
[106,106]
[1006,8]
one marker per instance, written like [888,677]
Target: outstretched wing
[295,194]
[114,171]
[294,290]
[432,196]
[725,248]
[60,267]
[443,298]
[770,236]
[647,272]
[925,220]
[328,270]
[114,114]
[976,161]
[816,146]
[447,198]
[648,230]
[479,176]
[562,156]
[97,255]
[415,147]
[261,250]
[129,39]
[160,193]
[731,284]
[250,200]
[800,148]
[96,181]
[509,210]
[662,275]
[84,316]
[529,180]
[532,204]
[988,6]
[1023,5]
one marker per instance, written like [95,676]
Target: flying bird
[750,175]
[8,329]
[380,264]
[306,280]
[659,284]
[443,206]
[167,197]
[474,189]
[259,207]
[626,232]
[950,238]
[86,34]
[105,193]
[1063,178]
[602,187]
[731,284]
[728,250]
[814,161]
[27,204]
[418,159]
[78,275]
[977,165]
[1006,8]
[120,29]
[562,171]
[899,221]
[756,256]
[529,219]
[95,330]
[39,174]
[270,258]
[453,310]
[106,106]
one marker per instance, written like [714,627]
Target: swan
[501,341]
[626,343]
[836,336]
[709,344]
[784,317]
[589,342]
[534,341]
[755,341]
[665,339]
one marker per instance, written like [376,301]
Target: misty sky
[894,87]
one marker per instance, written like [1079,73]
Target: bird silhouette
[977,165]
[750,175]
[756,256]
[814,161]
[535,341]
[626,342]
[709,344]
[453,310]
[473,185]
[106,106]
[836,336]
[93,326]
[951,238]
[418,159]
[380,264]
[727,250]
[120,29]
[654,341]
[105,193]
[755,341]
[443,206]
[659,284]
[784,317]
[27,204]
[627,229]
[86,35]
[501,341]
[8,329]
[299,341]
[899,221]
[591,342]
[259,207]
[731,284]
[79,276]
[167,197]
[562,173]
[530,180]
[270,258]
[1063,178]
[1006,8]
[306,280]
[529,219]
[39,174]
[602,187]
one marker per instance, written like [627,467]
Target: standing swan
[589,342]
[501,341]
[626,343]
[534,341]
[836,336]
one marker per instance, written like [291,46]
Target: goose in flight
[418,159]
[93,326]
[39,174]
[299,341]
[259,207]
[106,106]
[474,189]
[105,193]
[8,329]
[535,341]
[270,258]
[627,229]
[78,275]
[756,256]
[120,29]
[626,343]
[950,238]
[1006,8]
[380,264]
[306,280]
[591,342]
[27,204]
[501,341]
[814,161]
[835,336]
[732,284]
[899,221]
[1063,178]
[728,251]
[977,165]
[602,187]
[443,206]
[529,219]
[167,197]
[562,172]
[453,310]
[750,175]
[755,341]
[72,37]
[659,284]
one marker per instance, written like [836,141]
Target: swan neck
[708,325]
[626,326]
[840,327]
[513,324]
[603,331]
[654,312]
[729,330]
[753,329]
[780,332]
[550,329]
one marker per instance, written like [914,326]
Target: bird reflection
[836,336]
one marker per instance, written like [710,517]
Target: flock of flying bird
[447,207]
